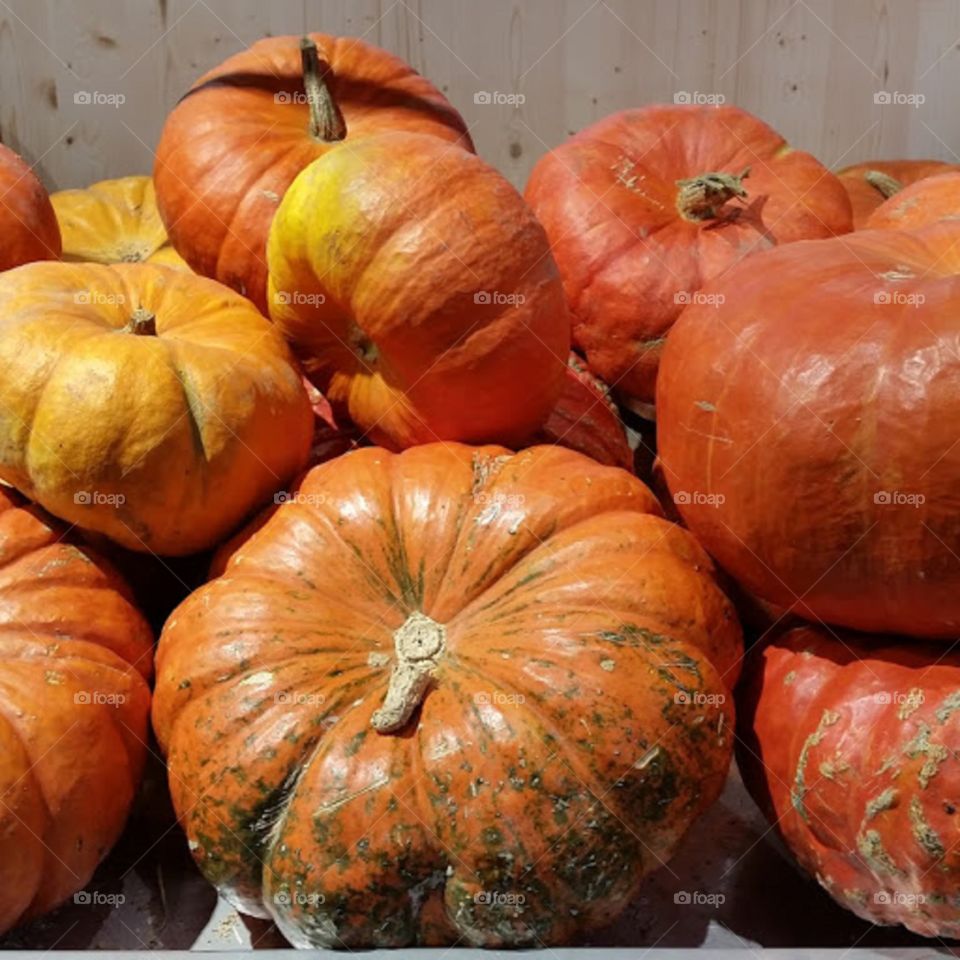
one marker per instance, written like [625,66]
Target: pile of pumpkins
[456,675]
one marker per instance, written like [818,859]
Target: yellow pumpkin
[151,405]
[114,221]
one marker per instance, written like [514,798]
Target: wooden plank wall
[809,67]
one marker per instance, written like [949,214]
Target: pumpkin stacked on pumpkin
[440,690]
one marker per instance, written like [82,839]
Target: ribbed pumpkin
[75,658]
[452,694]
[114,221]
[871,183]
[585,419]
[236,140]
[851,748]
[807,427]
[148,404]
[927,201]
[425,307]
[28,225]
[645,206]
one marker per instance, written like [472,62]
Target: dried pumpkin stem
[700,198]
[883,183]
[419,642]
[326,120]
[142,323]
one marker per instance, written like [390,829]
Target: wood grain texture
[809,67]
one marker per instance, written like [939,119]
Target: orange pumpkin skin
[873,182]
[851,749]
[114,221]
[633,242]
[553,685]
[927,201]
[151,405]
[585,419]
[235,142]
[424,307]
[28,225]
[75,659]
[815,459]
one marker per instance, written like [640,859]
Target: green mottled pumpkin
[448,695]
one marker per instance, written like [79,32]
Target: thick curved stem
[700,198]
[883,183]
[419,642]
[326,120]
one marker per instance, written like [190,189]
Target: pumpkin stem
[700,198]
[882,182]
[142,323]
[419,643]
[326,121]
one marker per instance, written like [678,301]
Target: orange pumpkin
[645,206]
[806,423]
[28,225]
[148,404]
[75,658]
[235,142]
[851,746]
[871,183]
[920,204]
[424,307]
[448,695]
[114,221]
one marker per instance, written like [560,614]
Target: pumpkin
[920,204]
[28,225]
[148,404]
[871,183]
[451,694]
[807,428]
[331,437]
[585,419]
[75,658]
[645,206]
[114,221]
[235,142]
[424,307]
[851,749]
